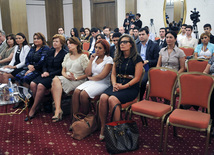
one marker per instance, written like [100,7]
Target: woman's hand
[45,74]
[31,67]
[117,87]
[8,66]
[92,57]
[70,77]
[27,72]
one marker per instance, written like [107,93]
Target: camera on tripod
[195,16]
[195,19]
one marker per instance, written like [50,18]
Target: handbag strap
[79,113]
[112,115]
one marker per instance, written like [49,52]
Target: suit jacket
[112,51]
[152,52]
[164,43]
[91,40]
[138,23]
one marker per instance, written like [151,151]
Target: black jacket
[152,52]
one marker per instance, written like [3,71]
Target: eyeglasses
[124,42]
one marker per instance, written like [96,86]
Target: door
[104,14]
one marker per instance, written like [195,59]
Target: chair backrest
[187,50]
[196,65]
[86,52]
[85,46]
[162,82]
[195,89]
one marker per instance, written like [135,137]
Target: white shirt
[92,45]
[180,36]
[190,42]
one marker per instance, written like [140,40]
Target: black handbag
[121,136]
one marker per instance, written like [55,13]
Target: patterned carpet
[44,137]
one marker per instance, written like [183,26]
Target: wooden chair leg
[161,134]
[166,136]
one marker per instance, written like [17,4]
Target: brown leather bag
[83,127]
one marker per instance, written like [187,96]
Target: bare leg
[1,77]
[112,102]
[84,101]
[56,91]
[6,76]
[75,103]
[39,95]
[33,88]
[26,85]
[103,111]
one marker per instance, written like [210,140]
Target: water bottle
[11,91]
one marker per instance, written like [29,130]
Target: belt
[125,76]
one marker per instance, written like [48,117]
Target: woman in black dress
[52,67]
[126,74]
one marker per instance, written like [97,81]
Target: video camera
[195,16]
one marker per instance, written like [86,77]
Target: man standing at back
[188,41]
[94,33]
[3,40]
[162,41]
[149,52]
[138,22]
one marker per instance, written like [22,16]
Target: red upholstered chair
[162,84]
[190,84]
[196,65]
[187,50]
[85,46]
[86,52]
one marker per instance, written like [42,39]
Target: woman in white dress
[98,73]
[73,74]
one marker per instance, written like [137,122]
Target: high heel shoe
[57,118]
[31,117]
[101,137]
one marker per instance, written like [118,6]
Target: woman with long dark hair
[125,77]
[18,61]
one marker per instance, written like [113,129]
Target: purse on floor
[83,127]
[121,136]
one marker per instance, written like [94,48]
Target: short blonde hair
[205,34]
[61,38]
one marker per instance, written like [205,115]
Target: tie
[161,43]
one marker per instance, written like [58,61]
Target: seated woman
[126,74]
[74,33]
[34,60]
[51,68]
[87,35]
[98,72]
[204,50]
[210,70]
[18,61]
[7,54]
[73,74]
[171,56]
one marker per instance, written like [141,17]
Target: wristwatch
[75,79]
